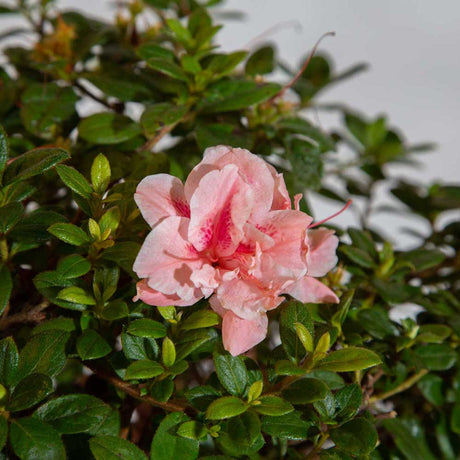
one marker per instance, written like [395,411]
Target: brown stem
[135,393]
[148,146]
[400,388]
[93,96]
[33,315]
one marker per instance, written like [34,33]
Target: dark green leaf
[10,214]
[162,114]
[167,67]
[226,407]
[33,439]
[146,327]
[232,373]
[272,405]
[167,445]
[4,150]
[261,61]
[294,312]
[349,359]
[73,266]
[358,437]
[377,323]
[305,391]
[114,448]
[3,431]
[6,287]
[30,391]
[289,426]
[43,353]
[69,233]
[77,413]
[138,347]
[431,386]
[201,396]
[90,345]
[116,309]
[192,430]
[32,163]
[437,357]
[348,400]
[244,429]
[143,369]
[108,128]
[163,389]
[74,180]
[358,256]
[9,359]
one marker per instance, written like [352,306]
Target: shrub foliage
[88,108]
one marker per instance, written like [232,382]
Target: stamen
[331,217]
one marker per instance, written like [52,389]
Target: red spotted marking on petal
[182,208]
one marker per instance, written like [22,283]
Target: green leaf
[286,367]
[32,163]
[261,61]
[114,448]
[146,327]
[433,333]
[222,64]
[437,357]
[100,173]
[143,369]
[79,413]
[244,429]
[9,359]
[123,254]
[162,114]
[45,107]
[340,315]
[294,312]
[168,352]
[163,389]
[200,319]
[110,220]
[116,309]
[168,68]
[193,430]
[151,50]
[358,437]
[10,214]
[422,259]
[273,405]
[363,240]
[226,407]
[255,390]
[348,401]
[76,294]
[33,439]
[230,95]
[232,373]
[304,336]
[431,386]
[377,323]
[349,359]
[74,180]
[6,287]
[90,345]
[30,391]
[358,256]
[201,396]
[210,134]
[139,347]
[69,233]
[73,266]
[4,151]
[455,418]
[33,228]
[331,379]
[44,353]
[289,426]
[166,445]
[62,324]
[305,391]
[108,128]
[3,431]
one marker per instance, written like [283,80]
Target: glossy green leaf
[6,287]
[143,369]
[232,373]
[9,359]
[349,359]
[348,400]
[146,327]
[192,430]
[226,407]
[200,319]
[69,233]
[73,266]
[168,352]
[30,391]
[288,426]
[78,413]
[358,437]
[244,429]
[139,347]
[3,431]
[432,387]
[10,214]
[100,173]
[167,444]
[305,391]
[108,128]
[90,345]
[4,150]
[77,295]
[74,180]
[162,114]
[32,439]
[437,357]
[115,309]
[114,448]
[273,405]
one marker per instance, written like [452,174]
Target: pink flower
[230,233]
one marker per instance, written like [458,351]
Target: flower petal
[310,290]
[152,297]
[240,335]
[321,257]
[160,196]
[219,208]
[167,259]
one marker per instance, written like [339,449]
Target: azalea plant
[166,290]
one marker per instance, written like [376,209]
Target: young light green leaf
[100,173]
[273,405]
[304,336]
[200,319]
[255,390]
[74,180]
[76,294]
[143,369]
[168,352]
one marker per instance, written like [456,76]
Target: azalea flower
[230,234]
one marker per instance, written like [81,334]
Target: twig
[148,146]
[34,315]
[93,96]
[400,388]
[135,393]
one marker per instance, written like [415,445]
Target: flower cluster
[230,233]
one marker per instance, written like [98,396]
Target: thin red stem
[331,217]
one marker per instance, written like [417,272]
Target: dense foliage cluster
[85,372]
